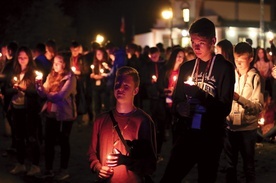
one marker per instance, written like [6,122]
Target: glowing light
[231,32]
[167,14]
[270,35]
[174,78]
[39,75]
[186,14]
[99,38]
[15,79]
[73,69]
[190,81]
[261,121]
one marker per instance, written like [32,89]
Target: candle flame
[15,78]
[174,78]
[92,66]
[261,121]
[153,77]
[39,75]
[73,69]
[190,81]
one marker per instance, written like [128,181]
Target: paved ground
[79,168]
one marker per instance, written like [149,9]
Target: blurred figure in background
[25,108]
[7,74]
[59,90]
[225,48]
[166,84]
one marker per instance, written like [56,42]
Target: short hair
[40,47]
[242,48]
[75,44]
[203,27]
[249,41]
[153,50]
[129,71]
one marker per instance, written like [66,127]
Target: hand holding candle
[38,78]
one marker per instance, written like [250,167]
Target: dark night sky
[88,17]
[84,18]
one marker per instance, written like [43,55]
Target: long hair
[265,55]
[227,50]
[97,63]
[29,70]
[171,62]
[55,78]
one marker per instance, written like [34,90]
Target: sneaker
[46,174]
[34,170]
[19,168]
[62,175]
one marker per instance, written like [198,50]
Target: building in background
[235,20]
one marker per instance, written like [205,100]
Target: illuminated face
[49,53]
[242,61]
[203,47]
[180,57]
[124,89]
[75,51]
[58,64]
[261,53]
[154,56]
[99,55]
[23,59]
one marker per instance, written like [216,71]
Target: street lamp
[168,15]
[99,39]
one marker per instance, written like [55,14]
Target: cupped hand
[105,172]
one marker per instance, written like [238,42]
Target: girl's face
[261,53]
[58,64]
[180,57]
[99,55]
[23,59]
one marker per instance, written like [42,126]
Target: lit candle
[190,81]
[174,78]
[154,78]
[39,75]
[73,69]
[261,121]
[15,79]
[92,67]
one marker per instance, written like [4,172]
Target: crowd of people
[209,97]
